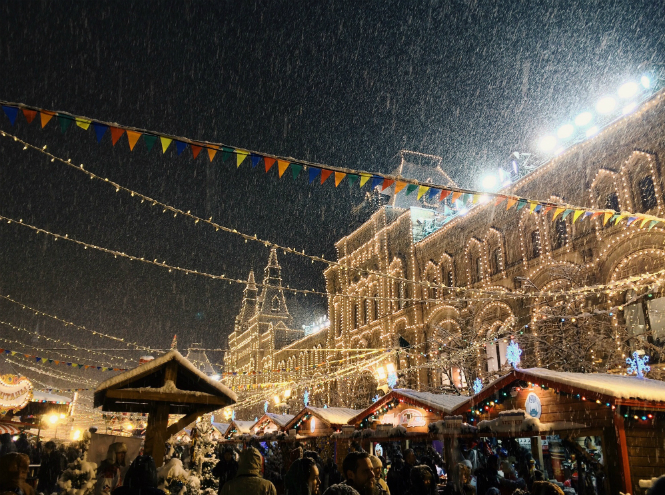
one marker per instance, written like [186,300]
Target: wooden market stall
[271,423]
[167,385]
[614,424]
[237,428]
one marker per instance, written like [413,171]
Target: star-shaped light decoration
[376,397]
[513,354]
[477,385]
[638,365]
[305,398]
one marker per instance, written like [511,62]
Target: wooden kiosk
[167,385]
[624,414]
[271,423]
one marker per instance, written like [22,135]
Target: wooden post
[158,420]
[623,451]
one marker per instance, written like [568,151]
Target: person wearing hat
[225,470]
[112,469]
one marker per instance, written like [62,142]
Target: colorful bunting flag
[532,206]
[455,197]
[608,215]
[422,190]
[11,113]
[116,132]
[100,130]
[410,188]
[268,162]
[65,121]
[45,117]
[521,204]
[240,157]
[511,203]
[499,200]
[132,139]
[149,140]
[295,170]
[399,185]
[325,174]
[282,165]
[180,146]
[387,183]
[339,177]
[577,214]
[364,178]
[376,181]
[566,213]
[212,151]
[352,179]
[226,153]
[652,223]
[254,159]
[83,123]
[313,173]
[196,149]
[29,115]
[444,194]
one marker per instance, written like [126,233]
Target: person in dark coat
[422,480]
[14,473]
[50,468]
[226,469]
[140,479]
[22,445]
[6,444]
[393,479]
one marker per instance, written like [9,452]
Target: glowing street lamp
[606,105]
[547,143]
[583,119]
[489,183]
[628,90]
[565,131]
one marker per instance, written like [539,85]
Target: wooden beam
[172,398]
[187,420]
[155,434]
[620,428]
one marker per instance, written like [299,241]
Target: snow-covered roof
[334,415]
[618,386]
[221,427]
[241,426]
[442,402]
[280,419]
[39,396]
[146,368]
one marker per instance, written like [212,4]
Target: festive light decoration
[392,379]
[45,360]
[305,398]
[513,354]
[638,365]
[477,385]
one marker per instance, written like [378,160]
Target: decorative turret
[249,298]
[272,301]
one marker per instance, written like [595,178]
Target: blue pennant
[313,173]
[11,112]
[100,130]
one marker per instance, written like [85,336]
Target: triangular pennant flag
[455,196]
[196,149]
[339,177]
[521,204]
[132,138]
[295,170]
[83,123]
[352,179]
[376,181]
[596,214]
[652,223]
[410,188]
[65,121]
[325,174]
[475,198]
[644,220]
[100,130]
[577,214]
[149,140]
[587,214]
[227,152]
[180,147]
[399,185]
[433,193]
[211,152]
[313,173]
[619,218]
[240,157]
[630,220]
[29,114]
[546,210]
[45,117]
[557,212]
[444,194]
[116,132]
[607,216]
[269,162]
[511,202]
[532,206]
[566,213]
[422,190]
[538,208]
[166,142]
[387,183]
[11,113]
[499,200]
[282,165]
[364,178]
[254,159]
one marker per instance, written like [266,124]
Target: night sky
[330,82]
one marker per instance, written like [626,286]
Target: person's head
[422,479]
[493,462]
[49,446]
[303,477]
[358,472]
[546,488]
[464,473]
[410,457]
[340,489]
[377,466]
[228,454]
[14,468]
[120,453]
[142,473]
[657,487]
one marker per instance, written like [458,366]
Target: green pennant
[652,223]
[295,170]
[521,204]
[65,121]
[410,188]
[226,152]
[150,140]
[566,213]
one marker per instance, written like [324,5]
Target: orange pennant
[269,162]
[387,183]
[132,137]
[29,114]
[45,117]
[339,177]
[212,152]
[511,202]
[195,150]
[444,194]
[499,200]
[325,174]
[116,132]
[282,165]
[456,196]
[399,186]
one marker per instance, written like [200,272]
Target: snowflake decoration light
[513,354]
[265,407]
[325,406]
[477,385]
[638,365]
[392,380]
[305,398]
[233,415]
[376,397]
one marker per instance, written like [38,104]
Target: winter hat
[340,489]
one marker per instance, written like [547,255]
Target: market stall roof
[45,403]
[279,420]
[613,389]
[221,427]
[241,427]
[335,417]
[39,396]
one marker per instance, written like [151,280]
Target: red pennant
[387,183]
[116,132]
[29,114]
[269,162]
[325,174]
[596,214]
[444,194]
[196,150]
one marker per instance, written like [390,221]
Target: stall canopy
[8,428]
[410,409]
[271,423]
[167,385]
[236,428]
[221,427]
[321,420]
[45,403]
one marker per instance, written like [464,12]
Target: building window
[478,270]
[647,193]
[367,311]
[612,202]
[560,233]
[402,295]
[449,278]
[376,306]
[496,259]
[354,316]
[535,244]
[275,304]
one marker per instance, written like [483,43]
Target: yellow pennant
[166,142]
[476,198]
[619,218]
[511,203]
[364,178]
[557,212]
[644,220]
[577,214]
[399,185]
[282,165]
[240,157]
[83,123]
[339,177]
[422,190]
[606,217]
[532,205]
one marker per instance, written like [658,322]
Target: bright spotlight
[53,419]
[583,119]
[565,131]
[489,182]
[276,399]
[591,131]
[629,108]
[606,105]
[381,372]
[77,435]
[216,377]
[628,90]
[547,143]
[646,82]
[390,367]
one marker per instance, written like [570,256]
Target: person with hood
[22,445]
[50,469]
[302,477]
[13,474]
[248,479]
[422,480]
[111,469]
[225,470]
[381,487]
[140,479]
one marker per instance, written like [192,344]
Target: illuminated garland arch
[480,323]
[633,164]
[472,252]
[494,239]
[658,253]
[540,274]
[447,263]
[622,246]
[532,223]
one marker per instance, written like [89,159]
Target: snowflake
[376,397]
[477,385]
[513,354]
[638,365]
[305,397]
[391,380]
[265,407]
[233,415]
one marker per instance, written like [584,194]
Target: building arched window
[560,234]
[274,304]
[402,295]
[367,311]
[375,303]
[647,193]
[478,269]
[354,315]
[535,244]
[612,201]
[496,261]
